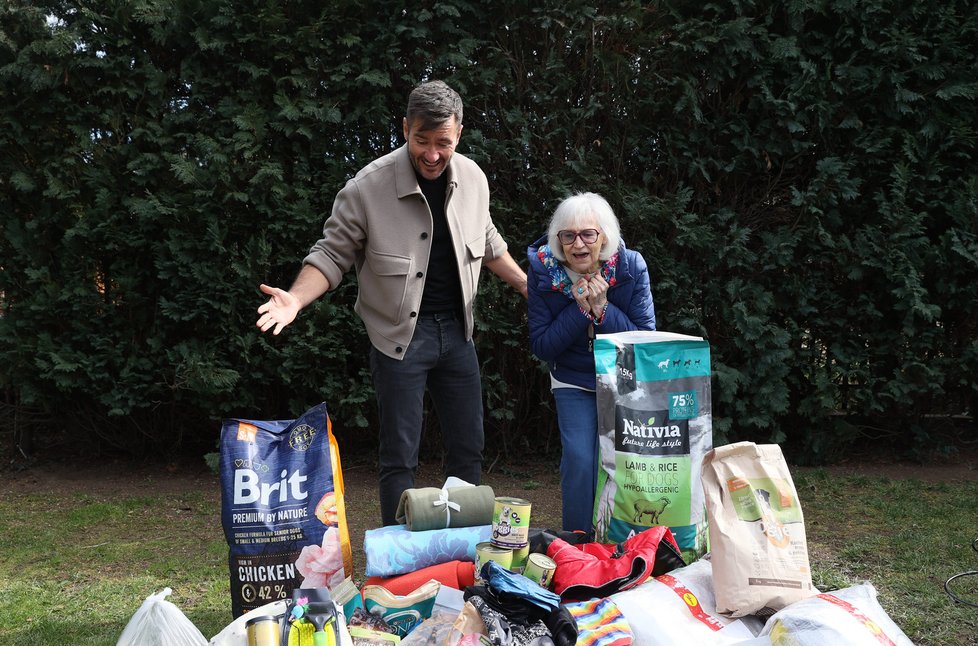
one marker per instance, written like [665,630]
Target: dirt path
[538,482]
[959,466]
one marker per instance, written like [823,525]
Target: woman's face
[582,252]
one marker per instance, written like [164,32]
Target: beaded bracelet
[587,313]
[604,310]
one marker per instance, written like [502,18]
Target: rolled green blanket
[425,508]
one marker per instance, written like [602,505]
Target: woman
[582,281]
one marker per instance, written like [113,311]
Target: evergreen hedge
[801,177]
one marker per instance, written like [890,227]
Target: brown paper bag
[757,531]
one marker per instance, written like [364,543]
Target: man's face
[431,150]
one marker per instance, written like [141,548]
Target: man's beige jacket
[381,224]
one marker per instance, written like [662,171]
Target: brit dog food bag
[282,508]
[654,427]
[757,530]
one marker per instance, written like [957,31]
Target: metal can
[540,569]
[511,522]
[263,631]
[519,559]
[486,551]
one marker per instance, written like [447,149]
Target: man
[415,223]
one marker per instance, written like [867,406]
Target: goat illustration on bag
[651,508]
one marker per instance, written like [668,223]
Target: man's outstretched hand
[280,310]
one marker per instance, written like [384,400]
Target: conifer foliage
[801,177]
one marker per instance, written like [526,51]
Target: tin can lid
[542,560]
[262,618]
[509,500]
[494,549]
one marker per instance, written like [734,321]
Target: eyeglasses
[588,236]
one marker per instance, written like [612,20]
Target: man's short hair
[434,103]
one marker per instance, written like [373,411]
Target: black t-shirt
[442,287]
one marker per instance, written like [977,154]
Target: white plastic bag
[684,610]
[851,616]
[160,623]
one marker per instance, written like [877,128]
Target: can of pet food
[263,631]
[486,551]
[511,522]
[519,559]
[540,569]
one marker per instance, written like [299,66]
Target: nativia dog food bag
[282,508]
[655,424]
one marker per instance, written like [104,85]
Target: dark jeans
[440,358]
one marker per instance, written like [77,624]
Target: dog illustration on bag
[651,508]
[771,527]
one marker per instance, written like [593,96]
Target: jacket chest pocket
[475,251]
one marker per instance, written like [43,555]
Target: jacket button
[398,350]
[424,236]
[413,314]
[420,274]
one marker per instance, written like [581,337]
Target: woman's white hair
[571,213]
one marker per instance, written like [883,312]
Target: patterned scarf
[561,282]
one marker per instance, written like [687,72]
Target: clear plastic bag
[433,631]
[160,623]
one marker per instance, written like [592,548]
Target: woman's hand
[581,293]
[597,295]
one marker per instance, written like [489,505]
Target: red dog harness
[593,570]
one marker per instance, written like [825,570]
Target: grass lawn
[80,550]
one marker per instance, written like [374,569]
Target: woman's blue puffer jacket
[559,332]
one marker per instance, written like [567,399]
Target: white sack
[848,617]
[679,608]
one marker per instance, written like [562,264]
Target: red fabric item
[592,570]
[454,574]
